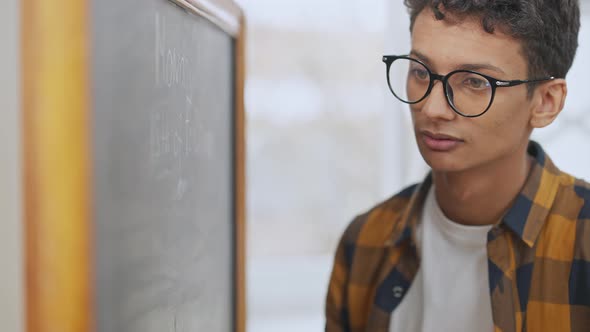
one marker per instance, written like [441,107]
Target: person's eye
[420,74]
[476,83]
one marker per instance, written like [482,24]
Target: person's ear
[549,99]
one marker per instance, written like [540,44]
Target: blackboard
[164,167]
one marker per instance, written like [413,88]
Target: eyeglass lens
[469,93]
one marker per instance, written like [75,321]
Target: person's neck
[481,196]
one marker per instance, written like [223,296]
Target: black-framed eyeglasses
[468,92]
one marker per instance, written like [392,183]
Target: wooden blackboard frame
[57,177]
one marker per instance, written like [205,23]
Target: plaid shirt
[538,258]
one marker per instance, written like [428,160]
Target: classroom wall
[11,244]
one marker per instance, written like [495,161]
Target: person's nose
[436,106]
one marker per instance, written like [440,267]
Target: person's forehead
[453,41]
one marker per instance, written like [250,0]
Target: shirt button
[398,292]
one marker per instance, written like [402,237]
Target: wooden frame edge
[57,173]
[240,176]
[225,14]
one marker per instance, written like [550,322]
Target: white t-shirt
[450,291]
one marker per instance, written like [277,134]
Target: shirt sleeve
[336,307]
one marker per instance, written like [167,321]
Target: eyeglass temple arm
[501,84]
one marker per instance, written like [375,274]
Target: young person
[496,238]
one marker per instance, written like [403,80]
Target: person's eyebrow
[466,66]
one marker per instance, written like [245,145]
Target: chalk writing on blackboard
[171,64]
[173,133]
[177,132]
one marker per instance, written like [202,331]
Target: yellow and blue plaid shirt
[538,258]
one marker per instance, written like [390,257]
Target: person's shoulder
[580,261]
[569,196]
[379,220]
[578,188]
[582,190]
[574,205]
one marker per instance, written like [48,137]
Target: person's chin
[442,161]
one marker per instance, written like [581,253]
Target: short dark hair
[548,29]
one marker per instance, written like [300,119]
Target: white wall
[11,253]
[314,99]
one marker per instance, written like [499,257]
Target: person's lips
[439,141]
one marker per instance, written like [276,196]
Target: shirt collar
[525,218]
[531,207]
[410,217]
